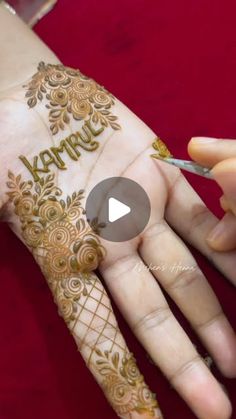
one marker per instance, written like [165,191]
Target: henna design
[70,93]
[68,252]
[124,385]
[162,149]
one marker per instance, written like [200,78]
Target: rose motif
[130,371]
[120,394]
[74,213]
[102,99]
[67,309]
[25,206]
[57,78]
[60,233]
[89,253]
[73,287]
[33,234]
[59,97]
[146,397]
[50,211]
[82,89]
[57,263]
[79,108]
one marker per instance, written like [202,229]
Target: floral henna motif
[68,251]
[70,93]
[124,385]
[59,238]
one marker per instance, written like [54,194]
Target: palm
[126,153]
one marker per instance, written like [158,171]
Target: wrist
[20,48]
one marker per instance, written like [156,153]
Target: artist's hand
[35,118]
[221,156]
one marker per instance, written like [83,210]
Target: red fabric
[174,64]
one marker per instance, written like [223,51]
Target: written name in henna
[70,145]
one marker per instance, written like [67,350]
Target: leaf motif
[51,177]
[106,370]
[115,126]
[63,205]
[95,118]
[55,113]
[112,118]
[54,128]
[40,96]
[49,185]
[30,93]
[115,359]
[66,118]
[11,185]
[32,102]
[37,188]
[98,352]
[41,202]
[42,88]
[101,362]
[11,176]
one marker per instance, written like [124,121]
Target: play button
[118,209]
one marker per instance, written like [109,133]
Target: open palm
[70,134]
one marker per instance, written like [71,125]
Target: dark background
[174,64]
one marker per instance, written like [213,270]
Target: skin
[175,206]
[220,155]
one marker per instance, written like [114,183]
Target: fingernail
[216,233]
[204,140]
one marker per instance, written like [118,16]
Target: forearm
[20,51]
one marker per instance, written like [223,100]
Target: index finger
[210,151]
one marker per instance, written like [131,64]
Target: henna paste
[162,149]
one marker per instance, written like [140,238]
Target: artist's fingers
[209,151]
[223,237]
[180,276]
[225,175]
[190,218]
[142,303]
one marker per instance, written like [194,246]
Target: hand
[35,118]
[220,155]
